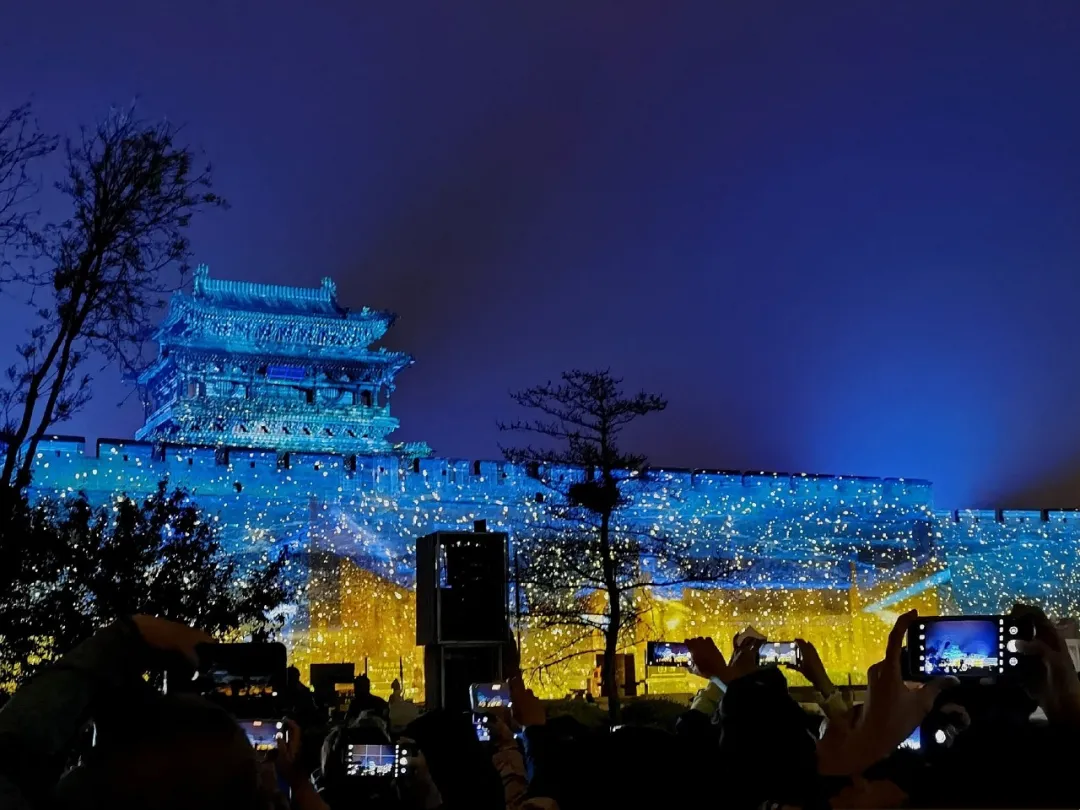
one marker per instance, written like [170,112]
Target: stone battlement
[64,463]
[59,457]
[1009,517]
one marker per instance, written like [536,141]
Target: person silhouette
[299,699]
[364,701]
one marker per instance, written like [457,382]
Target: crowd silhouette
[92,731]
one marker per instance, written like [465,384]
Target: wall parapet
[60,457]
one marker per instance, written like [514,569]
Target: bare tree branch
[547,664]
[133,192]
[21,144]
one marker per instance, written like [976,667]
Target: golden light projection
[848,639]
[364,617]
[359,617]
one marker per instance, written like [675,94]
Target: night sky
[839,237]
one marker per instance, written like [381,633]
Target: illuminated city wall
[996,558]
[271,405]
[827,558]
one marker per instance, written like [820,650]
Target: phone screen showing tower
[960,647]
[668,654]
[370,760]
[779,653]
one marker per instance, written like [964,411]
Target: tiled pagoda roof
[275,298]
[240,317]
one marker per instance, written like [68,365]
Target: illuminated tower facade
[271,367]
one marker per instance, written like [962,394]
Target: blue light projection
[271,406]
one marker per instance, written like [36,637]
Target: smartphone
[482,726]
[245,678]
[244,659]
[667,654]
[967,647]
[264,734]
[913,742]
[406,754]
[379,760]
[370,760]
[487,696]
[779,653]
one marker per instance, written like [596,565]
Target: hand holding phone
[980,648]
[288,755]
[247,679]
[706,660]
[527,708]
[667,654]
[484,697]
[809,664]
[1053,681]
[265,734]
[263,660]
[891,713]
[482,726]
[172,637]
[407,754]
[779,653]
[370,760]
[913,742]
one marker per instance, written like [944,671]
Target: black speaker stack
[462,617]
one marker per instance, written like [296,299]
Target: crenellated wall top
[140,457]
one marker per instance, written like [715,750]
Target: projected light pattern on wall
[271,406]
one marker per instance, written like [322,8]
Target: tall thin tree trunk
[71,321]
[33,392]
[611,669]
[611,634]
[22,479]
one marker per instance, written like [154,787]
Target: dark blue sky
[840,237]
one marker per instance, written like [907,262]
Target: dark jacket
[43,719]
[766,750]
[372,704]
